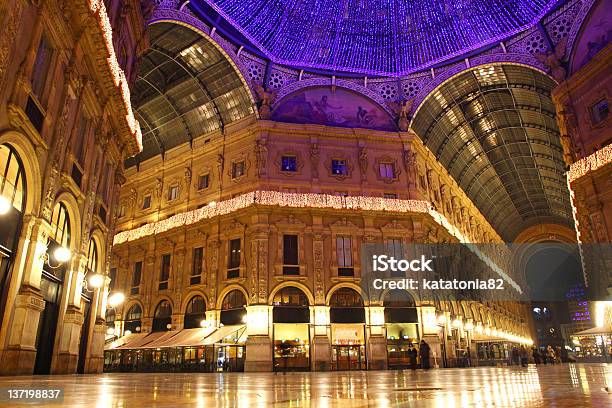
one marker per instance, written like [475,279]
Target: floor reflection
[559,386]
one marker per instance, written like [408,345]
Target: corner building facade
[65,128]
[264,246]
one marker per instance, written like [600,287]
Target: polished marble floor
[573,385]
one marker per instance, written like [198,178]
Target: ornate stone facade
[64,113]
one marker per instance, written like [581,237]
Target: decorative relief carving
[314,159]
[317,249]
[363,162]
[261,156]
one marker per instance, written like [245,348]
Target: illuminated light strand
[98,9]
[592,162]
[385,38]
[306,200]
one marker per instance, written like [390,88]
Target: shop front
[593,345]
[291,330]
[347,318]
[402,328]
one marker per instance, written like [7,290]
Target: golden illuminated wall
[419,202]
[65,110]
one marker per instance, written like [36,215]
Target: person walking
[550,354]
[514,356]
[424,354]
[536,356]
[412,356]
[524,356]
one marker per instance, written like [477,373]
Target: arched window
[135,313]
[60,225]
[162,318]
[12,204]
[195,313]
[233,300]
[12,181]
[290,306]
[132,319]
[110,319]
[346,297]
[346,306]
[400,307]
[290,296]
[92,257]
[233,310]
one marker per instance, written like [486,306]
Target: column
[24,299]
[259,344]
[94,360]
[69,326]
[376,341]
[320,352]
[431,334]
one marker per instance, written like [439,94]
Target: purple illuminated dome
[385,37]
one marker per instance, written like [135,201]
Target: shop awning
[140,342]
[595,331]
[186,338]
[121,341]
[222,333]
[165,337]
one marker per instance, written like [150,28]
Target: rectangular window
[390,195]
[113,276]
[42,64]
[290,255]
[203,181]
[172,193]
[165,271]
[238,169]
[344,254]
[121,212]
[344,251]
[289,163]
[387,170]
[233,261]
[600,111]
[146,202]
[136,278]
[394,249]
[80,140]
[198,261]
[339,167]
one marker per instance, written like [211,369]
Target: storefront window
[233,310]
[291,318]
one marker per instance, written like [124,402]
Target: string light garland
[595,161]
[375,37]
[98,9]
[311,200]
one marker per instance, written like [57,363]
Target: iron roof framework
[494,130]
[185,88]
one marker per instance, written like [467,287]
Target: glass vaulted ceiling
[494,130]
[184,89]
[385,37]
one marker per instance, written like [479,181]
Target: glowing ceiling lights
[374,37]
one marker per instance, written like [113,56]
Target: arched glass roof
[387,37]
[494,129]
[185,88]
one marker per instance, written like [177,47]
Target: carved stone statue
[553,60]
[314,159]
[261,156]
[402,109]
[266,98]
[363,162]
[159,187]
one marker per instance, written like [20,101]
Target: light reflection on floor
[572,385]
